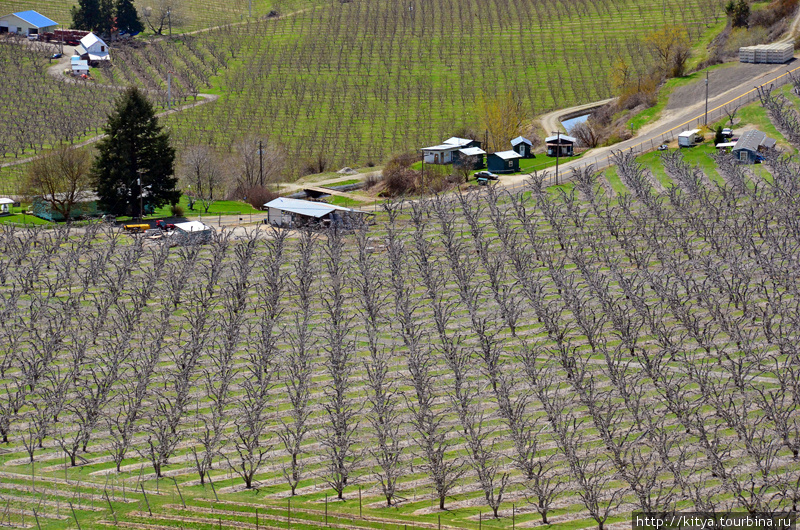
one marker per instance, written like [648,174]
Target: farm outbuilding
[93,49]
[80,67]
[560,145]
[472,156]
[26,23]
[293,213]
[523,146]
[5,205]
[191,233]
[503,162]
[751,146]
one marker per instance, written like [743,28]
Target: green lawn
[217,207]
[22,219]
[347,202]
[613,180]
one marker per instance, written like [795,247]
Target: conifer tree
[134,157]
[127,17]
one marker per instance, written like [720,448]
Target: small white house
[93,49]
[440,154]
[26,23]
[5,205]
[80,67]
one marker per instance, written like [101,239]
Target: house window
[102,48]
[510,164]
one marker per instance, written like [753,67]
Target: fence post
[110,507]
[73,515]
[179,491]
[145,500]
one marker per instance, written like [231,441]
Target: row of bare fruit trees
[562,347]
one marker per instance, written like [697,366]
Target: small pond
[572,122]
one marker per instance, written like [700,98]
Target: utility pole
[423,170]
[261,163]
[558,152]
[706,118]
[141,201]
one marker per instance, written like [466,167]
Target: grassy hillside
[353,82]
[350,83]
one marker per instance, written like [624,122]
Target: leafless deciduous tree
[384,414]
[299,362]
[256,163]
[339,436]
[204,176]
[62,179]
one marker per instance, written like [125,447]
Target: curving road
[667,128]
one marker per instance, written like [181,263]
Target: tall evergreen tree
[86,15]
[127,17]
[135,154]
[94,15]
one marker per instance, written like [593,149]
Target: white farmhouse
[26,23]
[92,49]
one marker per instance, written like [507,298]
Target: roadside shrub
[398,176]
[177,210]
[258,196]
[316,164]
[371,181]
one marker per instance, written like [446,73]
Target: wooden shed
[523,146]
[503,162]
[293,213]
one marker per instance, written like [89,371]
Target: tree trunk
[441,502]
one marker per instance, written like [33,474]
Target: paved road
[668,128]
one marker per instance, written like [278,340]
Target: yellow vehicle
[136,228]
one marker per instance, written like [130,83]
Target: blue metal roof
[36,19]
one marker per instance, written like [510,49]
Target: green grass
[616,184]
[334,90]
[347,202]
[22,219]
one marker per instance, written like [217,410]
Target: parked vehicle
[663,147]
[486,175]
[137,228]
[727,133]
[56,56]
[164,226]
